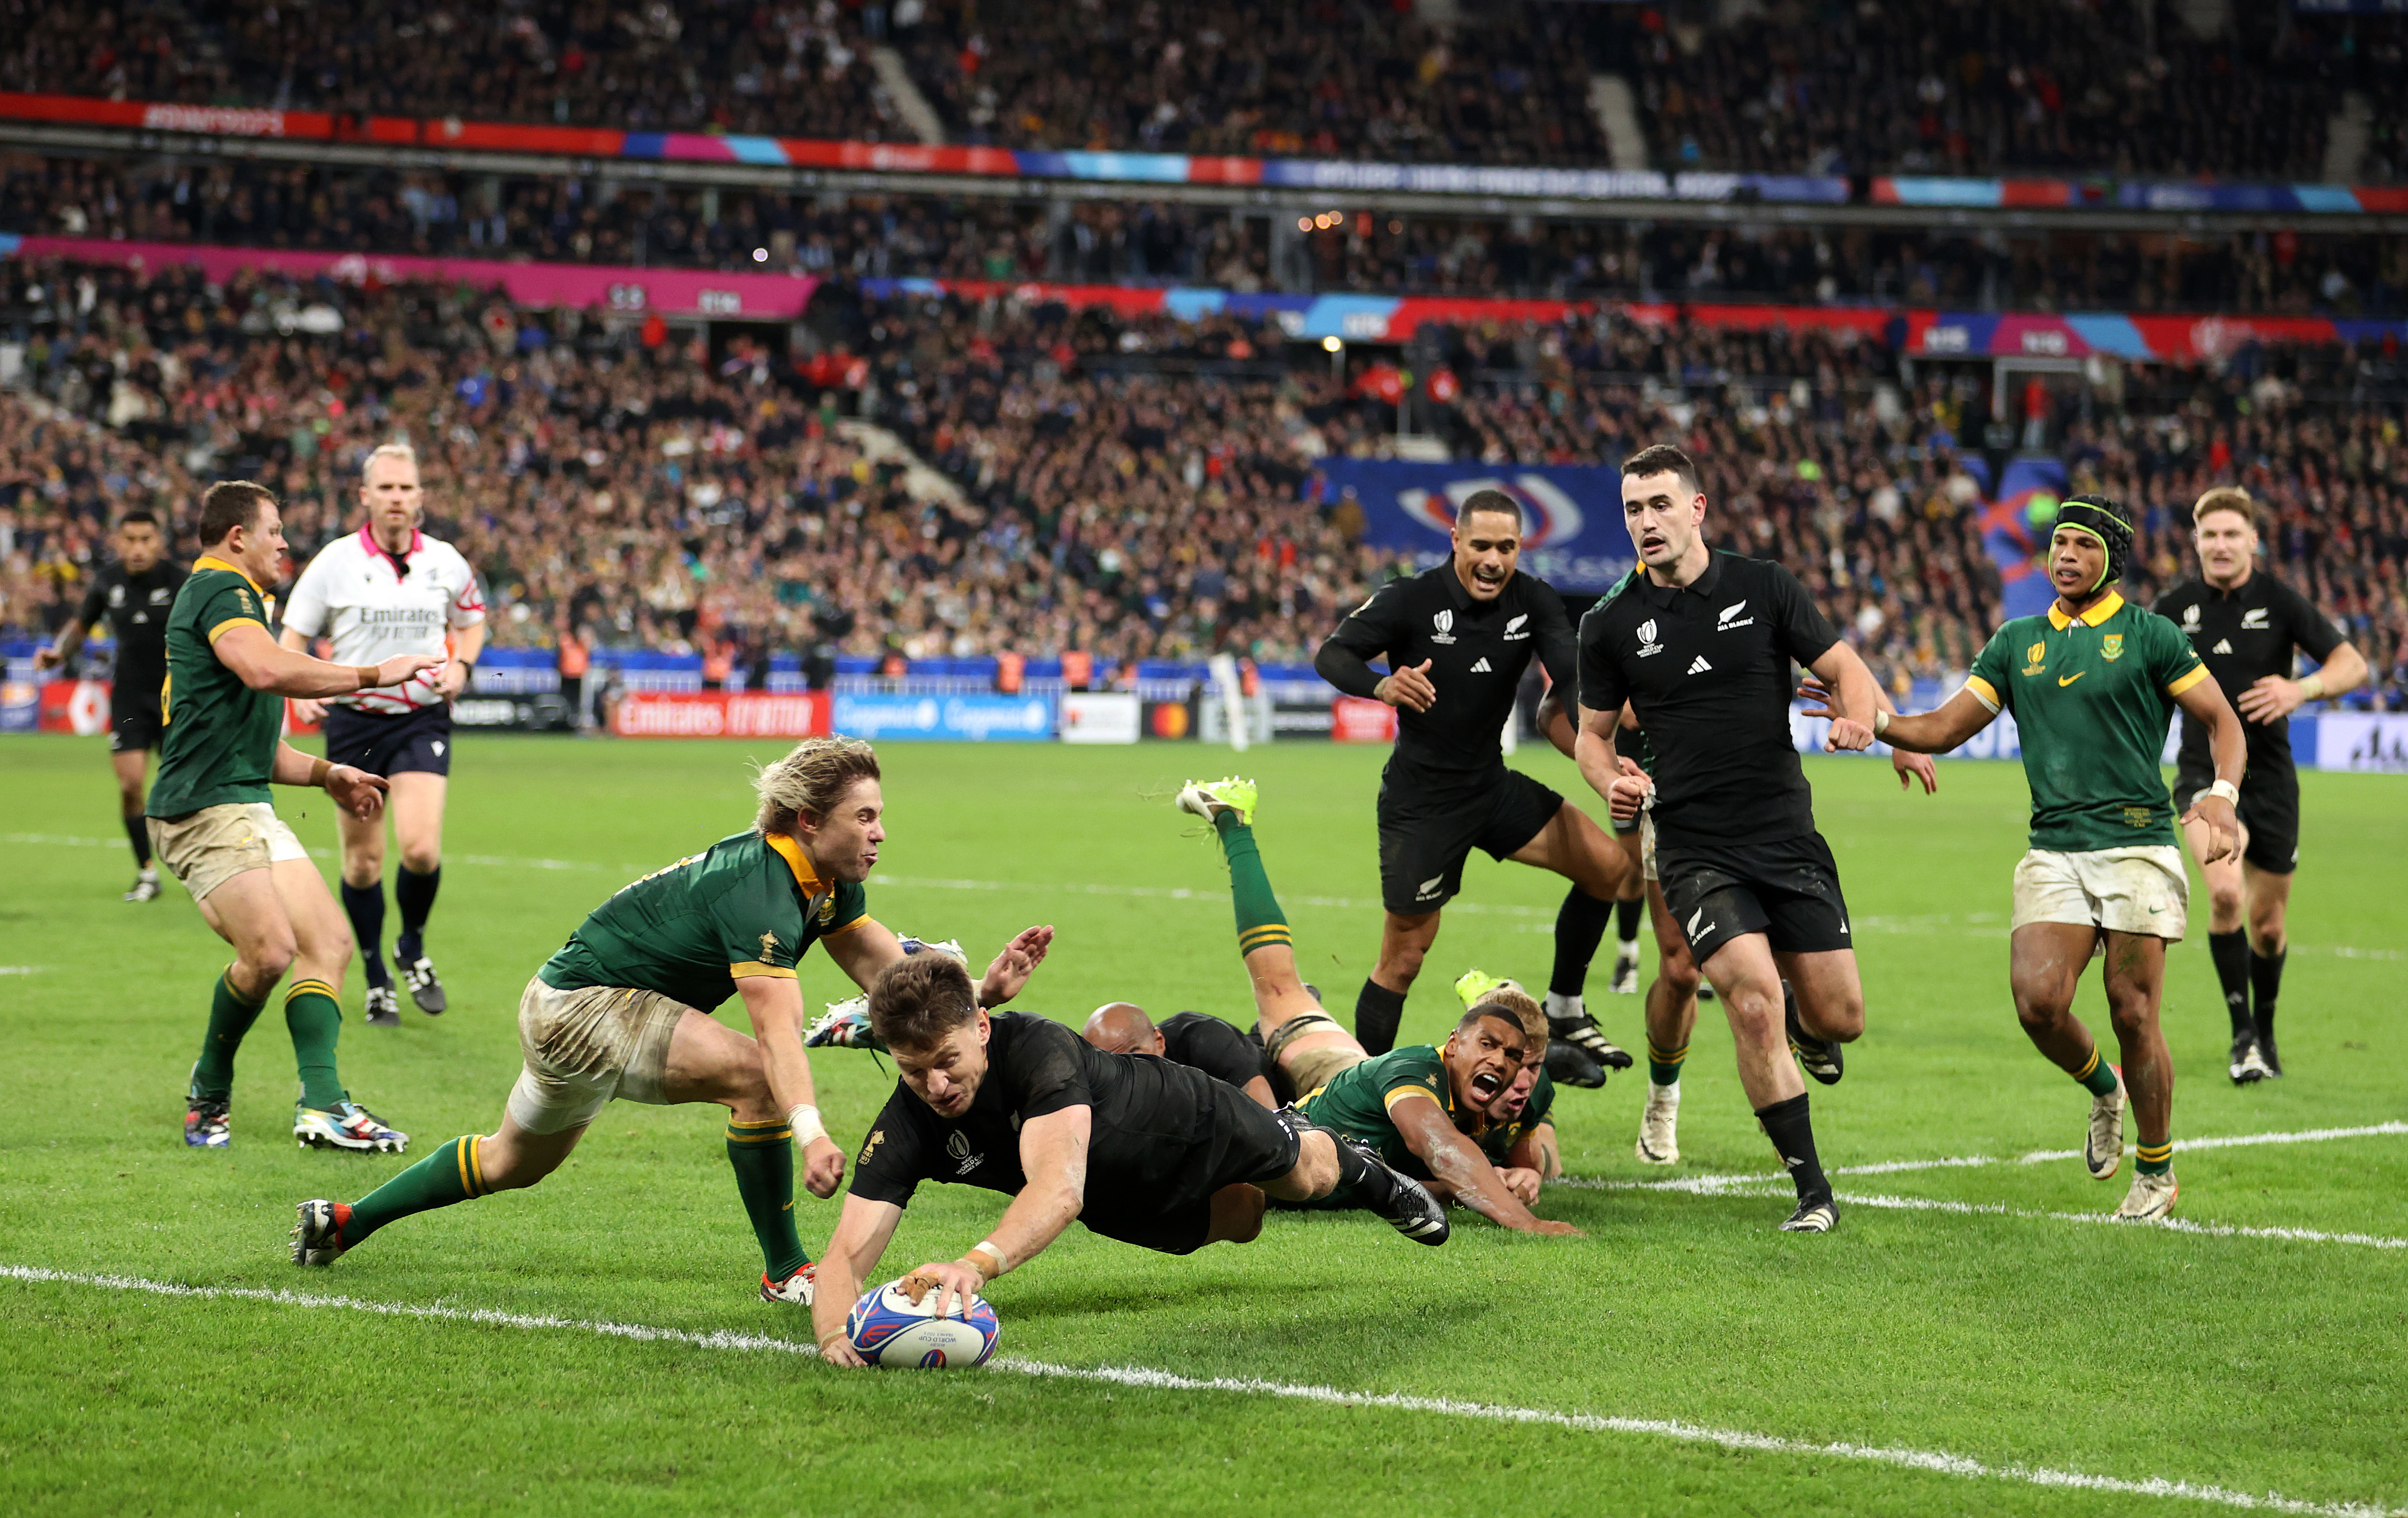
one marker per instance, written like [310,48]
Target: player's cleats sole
[943,946]
[1569,1065]
[425,986]
[1626,975]
[384,1007]
[844,1026]
[1472,987]
[1659,1124]
[2102,1148]
[318,1237]
[1819,1214]
[1818,1057]
[145,887]
[797,1288]
[347,1126]
[1582,1033]
[2152,1197]
[1209,799]
[2266,1053]
[206,1123]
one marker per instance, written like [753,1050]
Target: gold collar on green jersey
[2106,607]
[210,561]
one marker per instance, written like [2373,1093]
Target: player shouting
[134,595]
[1701,645]
[1456,639]
[2092,685]
[212,825]
[623,1012]
[2247,626]
[1136,1148]
[389,588]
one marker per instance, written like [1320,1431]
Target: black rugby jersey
[1708,670]
[1477,650]
[2244,635]
[136,607]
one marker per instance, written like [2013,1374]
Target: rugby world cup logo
[1444,622]
[1647,643]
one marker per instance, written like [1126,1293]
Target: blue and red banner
[1572,535]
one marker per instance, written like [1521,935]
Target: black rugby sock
[365,906]
[414,894]
[1626,922]
[1378,1011]
[137,833]
[2230,953]
[1792,1132]
[1579,923]
[1359,1180]
[2266,983]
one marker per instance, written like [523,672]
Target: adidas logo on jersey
[2223,644]
[1699,666]
[1481,667]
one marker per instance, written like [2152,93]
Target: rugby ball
[888,1328]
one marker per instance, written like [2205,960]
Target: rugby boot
[318,1237]
[1626,971]
[2102,1148]
[1814,1214]
[1472,987]
[1659,1124]
[2152,1197]
[2273,1060]
[418,975]
[144,886]
[797,1288]
[384,1007]
[1570,1023]
[844,1026]
[206,1125]
[347,1126]
[2249,1064]
[1208,799]
[943,946]
[1818,1057]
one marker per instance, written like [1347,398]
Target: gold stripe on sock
[308,988]
[756,1124]
[782,1136]
[1270,933]
[2091,1068]
[477,1163]
[2153,1153]
[1668,1057]
[236,991]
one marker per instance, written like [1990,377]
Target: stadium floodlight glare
[1304,224]
[1332,344]
[760,256]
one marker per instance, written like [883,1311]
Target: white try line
[2213,1230]
[1932,1461]
[1709,1184]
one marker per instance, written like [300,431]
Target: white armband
[805,1120]
[2312,688]
[2226,789]
[1881,723]
[989,1247]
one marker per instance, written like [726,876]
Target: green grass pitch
[1841,1374]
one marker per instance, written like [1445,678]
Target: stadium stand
[567,219]
[1131,488]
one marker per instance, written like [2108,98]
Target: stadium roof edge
[78,124]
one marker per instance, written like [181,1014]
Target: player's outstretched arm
[861,1235]
[71,637]
[775,1005]
[1930,732]
[1459,1165]
[1911,766]
[1053,1157]
[1007,975]
[2203,699]
[259,662]
[354,790]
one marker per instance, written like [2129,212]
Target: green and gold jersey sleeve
[754,916]
[1988,679]
[227,603]
[219,747]
[2175,665]
[1415,1071]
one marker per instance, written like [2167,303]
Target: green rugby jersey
[1355,1103]
[2093,696]
[746,906]
[220,745]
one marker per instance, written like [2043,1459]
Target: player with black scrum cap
[1457,638]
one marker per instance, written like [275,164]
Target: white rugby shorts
[2138,890]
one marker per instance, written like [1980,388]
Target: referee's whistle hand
[1409,687]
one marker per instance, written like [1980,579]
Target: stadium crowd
[1126,488]
[575,220]
[1878,86]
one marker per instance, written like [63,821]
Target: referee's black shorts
[134,722]
[416,741]
[2270,810]
[1788,890]
[1423,844]
[1234,1141]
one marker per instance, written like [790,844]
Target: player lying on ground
[2248,627]
[2092,686]
[1702,646]
[1419,1104]
[212,825]
[1456,639]
[1219,1049]
[1138,1148]
[622,1012]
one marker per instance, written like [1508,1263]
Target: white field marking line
[2214,1230]
[1935,1462]
[23,969]
[1709,1184]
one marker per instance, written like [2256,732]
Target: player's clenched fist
[823,1167]
[1627,794]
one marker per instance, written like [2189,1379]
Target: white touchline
[2216,1230]
[1933,1461]
[1708,1184]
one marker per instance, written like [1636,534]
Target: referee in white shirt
[384,590]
